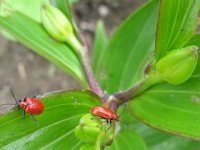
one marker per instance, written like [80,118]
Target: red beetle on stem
[104,113]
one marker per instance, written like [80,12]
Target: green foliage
[171,108]
[28,8]
[177,22]
[127,140]
[166,107]
[26,20]
[25,30]
[156,140]
[194,40]
[100,43]
[119,63]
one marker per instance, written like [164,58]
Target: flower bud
[177,66]
[87,147]
[56,23]
[88,129]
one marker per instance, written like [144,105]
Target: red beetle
[104,113]
[32,105]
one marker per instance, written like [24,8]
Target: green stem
[83,54]
[138,88]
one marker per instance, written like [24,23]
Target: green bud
[106,136]
[178,65]
[56,23]
[59,26]
[87,147]
[88,129]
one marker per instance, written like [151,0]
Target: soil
[29,74]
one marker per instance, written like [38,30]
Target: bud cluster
[92,132]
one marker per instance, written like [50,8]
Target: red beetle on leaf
[33,105]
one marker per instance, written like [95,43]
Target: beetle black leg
[23,113]
[109,127]
[99,118]
[93,118]
[104,121]
[25,99]
[18,107]
[33,117]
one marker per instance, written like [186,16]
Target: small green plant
[150,64]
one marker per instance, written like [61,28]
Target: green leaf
[120,65]
[71,2]
[177,22]
[100,43]
[174,109]
[28,8]
[55,126]
[128,140]
[174,143]
[111,83]
[32,35]
[154,139]
[157,140]
[195,40]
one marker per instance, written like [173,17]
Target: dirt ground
[29,74]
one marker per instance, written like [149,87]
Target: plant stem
[110,102]
[115,100]
[125,96]
[138,88]
[82,51]
[94,85]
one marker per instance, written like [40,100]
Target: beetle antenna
[123,122]
[6,104]
[13,95]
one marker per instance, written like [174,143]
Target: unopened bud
[178,65]
[88,147]
[88,129]
[57,24]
